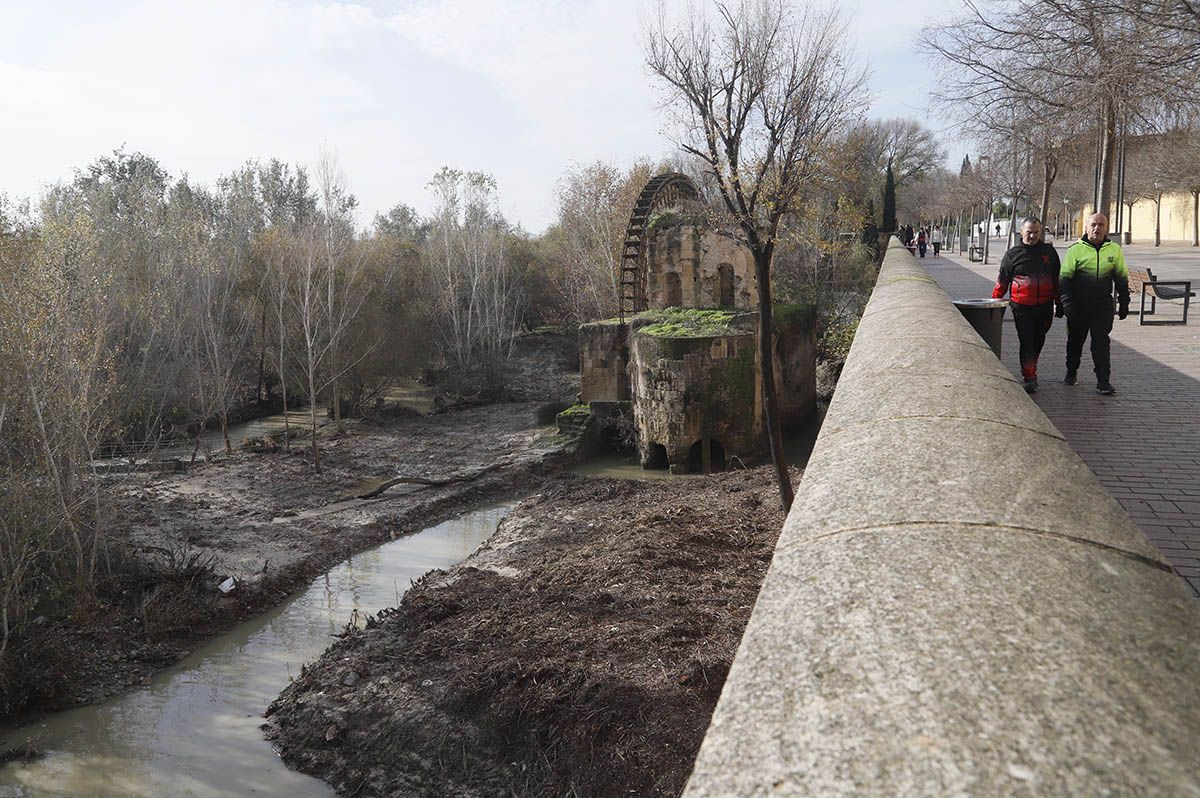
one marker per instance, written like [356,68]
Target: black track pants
[1097,322]
[1033,322]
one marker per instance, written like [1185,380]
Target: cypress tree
[889,201]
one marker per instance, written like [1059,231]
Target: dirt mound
[580,651]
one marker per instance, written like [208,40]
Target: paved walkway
[1144,443]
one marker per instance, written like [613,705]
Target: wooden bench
[1144,281]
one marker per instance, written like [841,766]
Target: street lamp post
[984,162]
[1157,213]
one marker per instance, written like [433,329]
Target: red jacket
[1029,274]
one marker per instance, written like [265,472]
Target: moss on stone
[687,322]
[577,410]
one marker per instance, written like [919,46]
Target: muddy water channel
[194,730]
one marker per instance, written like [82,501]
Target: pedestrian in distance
[1029,274]
[997,229]
[922,241]
[1092,267]
[935,238]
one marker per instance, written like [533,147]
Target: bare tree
[479,295]
[1190,175]
[912,150]
[337,239]
[322,315]
[760,92]
[594,204]
[1069,66]
[56,378]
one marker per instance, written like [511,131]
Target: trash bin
[987,317]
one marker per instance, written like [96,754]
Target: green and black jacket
[1090,272]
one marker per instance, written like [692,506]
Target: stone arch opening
[656,457]
[725,277]
[716,456]
[673,293]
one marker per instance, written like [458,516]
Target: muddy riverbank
[579,652]
[270,521]
[194,730]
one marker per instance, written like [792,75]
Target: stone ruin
[682,360]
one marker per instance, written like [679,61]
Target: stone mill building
[682,358]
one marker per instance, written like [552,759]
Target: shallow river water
[194,730]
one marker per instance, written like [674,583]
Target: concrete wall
[684,265]
[956,606]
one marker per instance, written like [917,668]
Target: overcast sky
[521,89]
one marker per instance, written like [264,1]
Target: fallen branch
[391,483]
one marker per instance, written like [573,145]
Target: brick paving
[1144,443]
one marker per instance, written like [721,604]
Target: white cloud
[520,89]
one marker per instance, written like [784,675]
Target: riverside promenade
[1143,444]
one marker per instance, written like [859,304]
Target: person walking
[922,241]
[1029,274]
[1092,267]
[936,239]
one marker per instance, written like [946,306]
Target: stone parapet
[956,606]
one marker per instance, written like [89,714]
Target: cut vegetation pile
[580,651]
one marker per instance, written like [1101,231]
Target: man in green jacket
[1092,266]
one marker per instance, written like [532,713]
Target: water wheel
[663,191]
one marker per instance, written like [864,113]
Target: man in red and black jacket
[1029,274]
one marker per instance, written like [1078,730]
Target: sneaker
[1072,377]
[1031,385]
[1105,388]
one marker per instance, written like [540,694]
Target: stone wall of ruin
[692,268]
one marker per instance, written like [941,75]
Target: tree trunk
[1107,147]
[762,268]
[1196,218]
[262,357]
[312,417]
[1049,173]
[287,431]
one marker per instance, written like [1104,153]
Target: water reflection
[194,731]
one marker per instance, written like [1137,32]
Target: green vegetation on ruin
[687,322]
[577,410]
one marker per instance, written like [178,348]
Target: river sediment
[269,522]
[194,730]
[580,651]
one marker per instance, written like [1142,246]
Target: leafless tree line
[1032,76]
[136,310]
